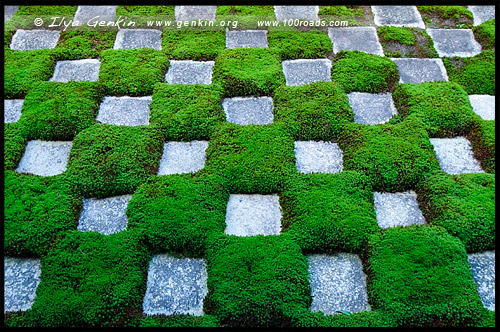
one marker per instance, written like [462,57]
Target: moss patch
[300,44]
[406,42]
[74,45]
[482,138]
[193,45]
[446,16]
[485,34]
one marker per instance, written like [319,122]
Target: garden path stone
[25,40]
[482,13]
[191,13]
[246,39]
[21,278]
[420,70]
[454,42]
[305,71]
[124,111]
[397,209]
[483,105]
[12,110]
[249,215]
[175,286]
[138,38]
[45,158]
[85,13]
[372,108]
[9,11]
[182,157]
[189,72]
[248,110]
[398,16]
[337,283]
[362,39]
[106,216]
[483,273]
[318,157]
[76,70]
[296,12]
[455,155]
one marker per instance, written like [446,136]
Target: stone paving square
[182,157]
[482,13]
[455,155]
[305,71]
[249,215]
[483,273]
[44,158]
[25,40]
[95,14]
[138,38]
[246,39]
[248,110]
[483,105]
[420,70]
[21,278]
[76,70]
[296,12]
[454,42]
[318,157]
[337,283]
[9,11]
[124,111]
[364,39]
[189,72]
[372,108]
[106,216]
[192,13]
[397,209]
[12,110]
[398,16]
[175,286]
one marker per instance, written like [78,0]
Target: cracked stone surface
[483,105]
[138,38]
[318,157]
[296,12]
[483,273]
[188,13]
[44,158]
[76,70]
[12,110]
[189,72]
[337,283]
[362,39]
[420,70]
[305,71]
[95,14]
[455,155]
[248,110]
[22,276]
[124,111]
[397,209]
[9,11]
[372,108]
[398,16]
[454,42]
[24,40]
[249,215]
[106,216]
[482,13]
[246,39]
[182,157]
[175,286]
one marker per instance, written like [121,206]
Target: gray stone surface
[318,157]
[9,11]
[189,72]
[296,12]
[372,108]
[124,111]
[76,70]
[22,276]
[44,158]
[362,39]
[337,283]
[246,39]
[482,13]
[106,216]
[248,110]
[483,273]
[398,16]
[24,40]
[483,105]
[175,286]
[248,215]
[454,42]
[190,13]
[12,110]
[397,209]
[413,70]
[138,38]
[182,157]
[95,13]
[305,71]
[455,155]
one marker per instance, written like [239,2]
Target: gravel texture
[249,110]
[483,105]
[305,71]
[296,12]
[138,38]
[106,216]
[182,157]
[483,272]
[398,16]
[189,72]
[25,40]
[9,11]
[21,278]
[420,70]
[455,155]
[95,14]
[318,157]
[76,70]
[362,39]
[12,110]
[124,111]
[188,13]
[397,209]
[454,42]
[372,108]
[246,39]
[482,13]
[45,158]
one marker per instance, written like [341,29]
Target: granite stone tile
[44,158]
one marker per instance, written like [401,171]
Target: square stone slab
[189,72]
[76,70]
[175,286]
[182,157]
[362,39]
[337,283]
[455,155]
[372,108]
[483,273]
[95,14]
[138,38]
[24,40]
[246,39]
[318,157]
[12,110]
[44,158]
[397,209]
[9,11]
[192,13]
[483,105]
[482,13]
[248,110]
[398,16]
[106,216]
[420,70]
[296,12]
[305,71]
[249,215]
[454,42]
[124,111]
[22,276]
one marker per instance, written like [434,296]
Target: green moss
[246,10]
[145,10]
[406,42]
[179,321]
[376,318]
[193,45]
[73,45]
[13,144]
[25,15]
[341,10]
[485,34]
[300,44]
[401,35]
[482,138]
[446,12]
